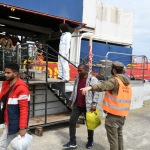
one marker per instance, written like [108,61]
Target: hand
[84,90]
[22,132]
[69,104]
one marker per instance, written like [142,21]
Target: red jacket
[16,115]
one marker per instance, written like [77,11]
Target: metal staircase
[49,96]
[58,89]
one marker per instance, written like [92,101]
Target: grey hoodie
[90,97]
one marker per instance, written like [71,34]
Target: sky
[141,23]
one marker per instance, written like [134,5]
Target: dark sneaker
[70,145]
[89,144]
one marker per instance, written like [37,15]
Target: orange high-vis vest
[118,104]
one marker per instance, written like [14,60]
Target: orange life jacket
[118,104]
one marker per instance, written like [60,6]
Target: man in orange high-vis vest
[116,103]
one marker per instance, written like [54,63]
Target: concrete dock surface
[136,134]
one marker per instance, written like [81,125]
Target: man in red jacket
[16,114]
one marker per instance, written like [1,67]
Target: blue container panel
[70,9]
[101,49]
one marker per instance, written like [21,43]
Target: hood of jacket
[18,82]
[21,82]
[123,78]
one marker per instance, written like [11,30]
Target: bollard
[39,131]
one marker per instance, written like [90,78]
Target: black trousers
[76,112]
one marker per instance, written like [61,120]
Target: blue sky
[141,23]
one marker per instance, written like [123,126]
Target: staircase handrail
[60,55]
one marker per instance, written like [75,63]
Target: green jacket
[110,85]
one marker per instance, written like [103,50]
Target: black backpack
[3,104]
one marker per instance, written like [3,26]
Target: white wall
[75,48]
[111,24]
[146,91]
[137,96]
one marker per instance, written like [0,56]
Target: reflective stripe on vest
[114,107]
[118,104]
[117,100]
